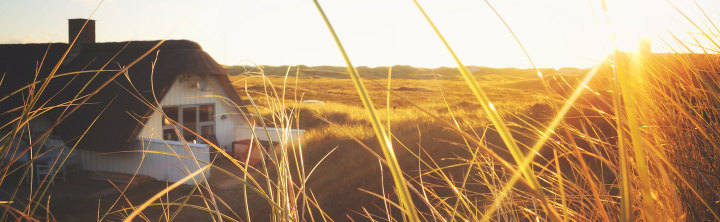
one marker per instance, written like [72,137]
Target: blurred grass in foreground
[635,138]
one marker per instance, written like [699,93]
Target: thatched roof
[120,123]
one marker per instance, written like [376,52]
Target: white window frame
[198,123]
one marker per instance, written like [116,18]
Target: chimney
[88,33]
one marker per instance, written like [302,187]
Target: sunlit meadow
[632,137]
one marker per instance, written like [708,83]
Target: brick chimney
[88,32]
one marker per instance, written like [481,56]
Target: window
[196,118]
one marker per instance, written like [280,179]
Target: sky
[556,33]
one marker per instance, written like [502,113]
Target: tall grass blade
[385,143]
[496,120]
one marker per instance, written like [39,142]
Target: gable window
[196,118]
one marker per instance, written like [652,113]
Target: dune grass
[635,138]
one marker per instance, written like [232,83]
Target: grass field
[419,113]
[631,139]
[448,148]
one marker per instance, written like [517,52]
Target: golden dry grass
[637,143]
[352,170]
[510,93]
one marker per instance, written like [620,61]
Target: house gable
[183,93]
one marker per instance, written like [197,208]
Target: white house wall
[156,163]
[183,92]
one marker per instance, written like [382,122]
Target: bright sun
[658,21]
[632,22]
